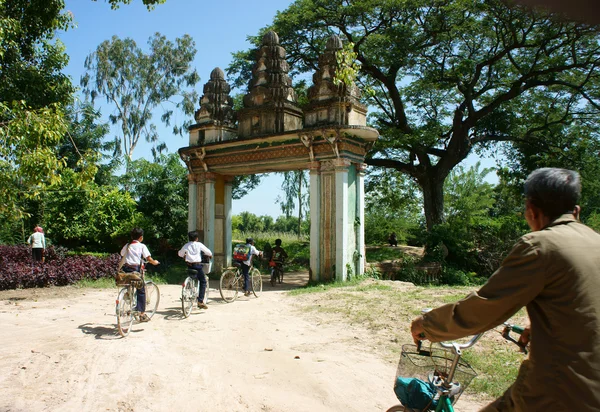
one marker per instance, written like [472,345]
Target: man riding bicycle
[555,272]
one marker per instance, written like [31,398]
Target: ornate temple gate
[329,138]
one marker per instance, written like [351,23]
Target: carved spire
[270,81]
[216,106]
[270,105]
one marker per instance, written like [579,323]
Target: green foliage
[88,216]
[28,162]
[392,204]
[161,191]
[468,197]
[242,185]
[31,60]
[137,83]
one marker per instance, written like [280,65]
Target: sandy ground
[60,351]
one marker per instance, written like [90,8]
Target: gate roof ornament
[273,133]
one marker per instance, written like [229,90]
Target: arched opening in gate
[329,138]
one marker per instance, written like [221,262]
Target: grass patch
[383,253]
[102,283]
[386,308]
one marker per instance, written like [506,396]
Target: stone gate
[329,137]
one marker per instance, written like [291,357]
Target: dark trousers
[141,293]
[246,273]
[201,278]
[37,253]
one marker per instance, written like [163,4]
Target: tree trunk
[433,199]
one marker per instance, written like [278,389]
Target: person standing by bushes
[38,244]
[134,253]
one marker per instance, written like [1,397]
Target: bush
[456,277]
[478,247]
[60,268]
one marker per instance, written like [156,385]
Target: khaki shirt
[555,273]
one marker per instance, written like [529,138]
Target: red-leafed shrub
[17,269]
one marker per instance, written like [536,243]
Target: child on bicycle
[245,265]
[193,252]
[134,253]
[278,256]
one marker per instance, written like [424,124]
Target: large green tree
[448,77]
[136,83]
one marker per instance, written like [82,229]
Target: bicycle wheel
[228,286]
[187,297]
[256,282]
[124,312]
[280,275]
[205,301]
[396,408]
[152,298]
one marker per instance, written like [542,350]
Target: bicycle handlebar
[459,346]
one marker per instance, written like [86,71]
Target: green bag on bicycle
[415,393]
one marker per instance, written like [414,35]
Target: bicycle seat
[192,272]
[237,264]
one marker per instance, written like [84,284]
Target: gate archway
[273,134]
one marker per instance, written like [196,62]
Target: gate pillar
[210,214]
[336,232]
[192,199]
[315,222]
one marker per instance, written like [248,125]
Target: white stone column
[342,251]
[228,215]
[192,202]
[360,212]
[315,221]
[209,211]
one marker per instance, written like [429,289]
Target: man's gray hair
[555,191]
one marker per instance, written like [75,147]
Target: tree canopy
[448,77]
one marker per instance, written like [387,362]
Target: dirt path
[60,352]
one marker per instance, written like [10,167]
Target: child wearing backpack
[192,252]
[246,253]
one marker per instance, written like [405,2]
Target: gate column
[227,236]
[192,201]
[343,224]
[315,221]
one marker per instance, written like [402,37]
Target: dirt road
[60,352]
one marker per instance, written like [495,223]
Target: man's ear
[576,212]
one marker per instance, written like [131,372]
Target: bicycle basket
[433,361]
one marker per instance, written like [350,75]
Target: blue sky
[218,28]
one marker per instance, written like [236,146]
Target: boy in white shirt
[134,252]
[192,252]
